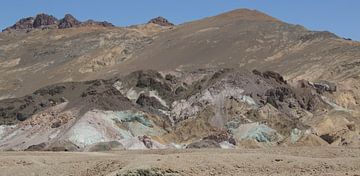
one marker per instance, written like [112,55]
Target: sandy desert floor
[274,161]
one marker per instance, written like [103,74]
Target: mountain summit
[246,14]
[161,21]
[68,21]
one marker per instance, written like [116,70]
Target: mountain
[249,39]
[34,57]
[238,39]
[241,78]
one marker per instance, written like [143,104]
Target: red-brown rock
[161,21]
[44,20]
[68,21]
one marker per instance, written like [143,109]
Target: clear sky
[338,16]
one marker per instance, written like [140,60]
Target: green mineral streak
[125,116]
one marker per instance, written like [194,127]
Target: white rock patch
[155,94]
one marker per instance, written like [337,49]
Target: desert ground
[327,161]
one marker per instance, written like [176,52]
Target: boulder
[222,136]
[204,144]
[147,141]
[37,147]
[56,124]
[104,146]
[63,146]
[323,86]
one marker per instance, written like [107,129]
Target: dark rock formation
[147,101]
[328,138]
[94,95]
[37,147]
[273,75]
[147,141]
[221,137]
[323,86]
[44,20]
[279,94]
[204,144]
[56,124]
[161,21]
[63,146]
[105,146]
[68,21]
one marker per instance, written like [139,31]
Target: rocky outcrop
[146,140]
[204,144]
[36,147]
[43,20]
[271,75]
[147,101]
[323,86]
[104,146]
[68,21]
[22,24]
[221,137]
[161,21]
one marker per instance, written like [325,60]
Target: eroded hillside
[239,79]
[222,108]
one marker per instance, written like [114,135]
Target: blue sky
[338,16]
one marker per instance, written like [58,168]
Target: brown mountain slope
[251,40]
[30,60]
[238,38]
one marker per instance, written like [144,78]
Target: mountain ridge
[42,20]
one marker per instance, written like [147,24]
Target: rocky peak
[161,21]
[44,20]
[50,22]
[68,21]
[25,23]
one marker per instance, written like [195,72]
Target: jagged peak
[161,21]
[43,20]
[68,21]
[22,24]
